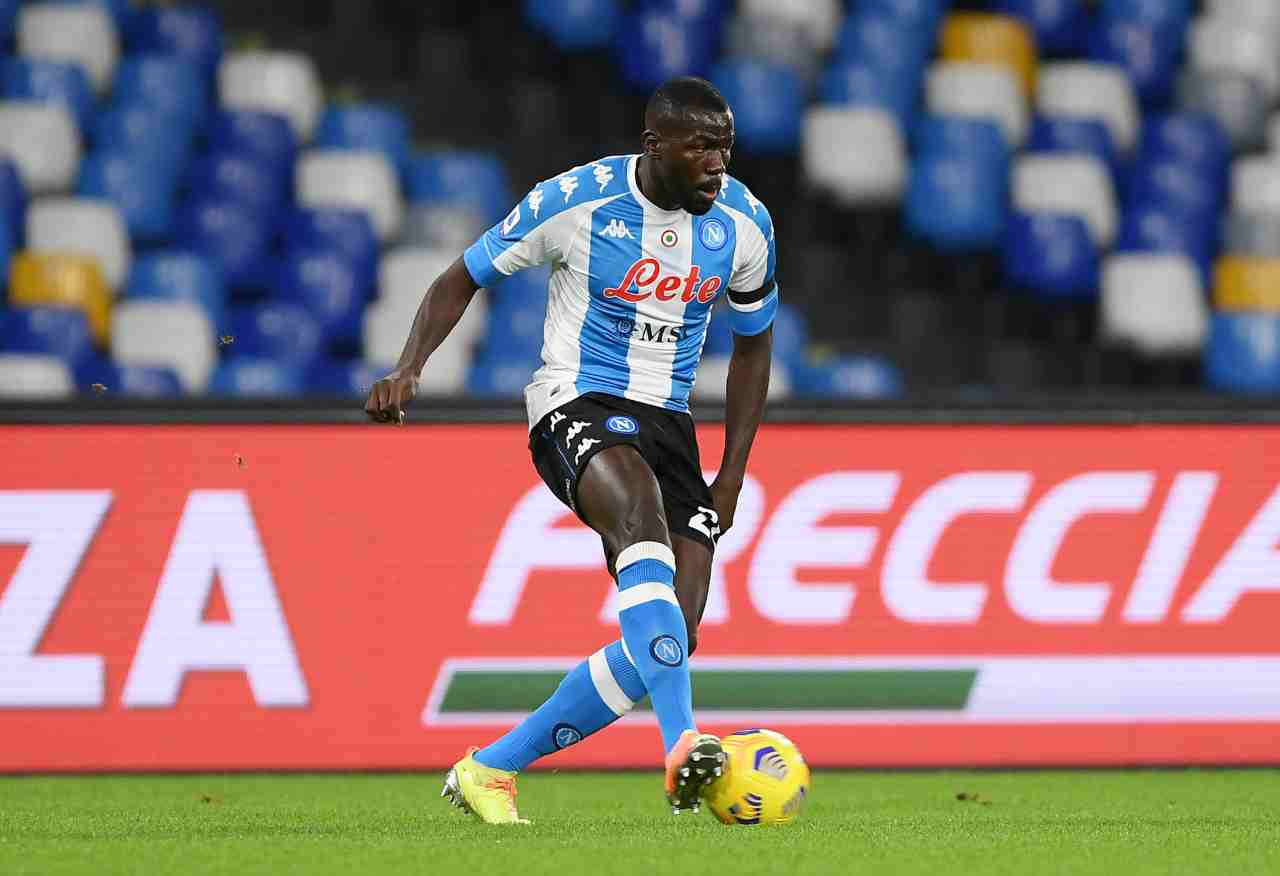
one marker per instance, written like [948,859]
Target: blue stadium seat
[8,20]
[790,335]
[141,188]
[1149,54]
[884,42]
[277,330]
[516,325]
[473,179]
[861,83]
[252,377]
[710,13]
[13,197]
[121,12]
[266,135]
[957,203]
[1192,138]
[48,81]
[767,100]
[8,245]
[328,286]
[1052,255]
[848,377]
[1174,14]
[137,381]
[1147,228]
[186,276]
[654,46]
[233,234]
[57,331]
[157,138]
[719,334]
[1174,186]
[1243,355]
[240,177]
[575,25]
[337,377]
[501,377]
[168,83]
[1059,25]
[346,232]
[194,33]
[377,127]
[962,137]
[1074,134]
[925,14]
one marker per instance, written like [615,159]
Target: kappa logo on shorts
[622,425]
[583,446]
[706,521]
[574,428]
[556,419]
[666,651]
[564,735]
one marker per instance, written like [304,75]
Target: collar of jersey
[649,206]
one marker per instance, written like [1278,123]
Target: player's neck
[651,186]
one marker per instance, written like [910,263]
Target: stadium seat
[368,126]
[240,177]
[277,330]
[277,82]
[468,179]
[713,372]
[166,83]
[1236,101]
[335,377]
[1155,303]
[1174,185]
[848,377]
[1191,138]
[957,202]
[1153,229]
[254,377]
[501,377]
[790,334]
[774,41]
[193,33]
[137,184]
[264,134]
[857,155]
[987,38]
[924,14]
[236,237]
[515,325]
[767,102]
[1051,254]
[1244,283]
[1255,184]
[441,226]
[8,244]
[1147,53]
[44,81]
[1221,45]
[1077,88]
[965,88]
[1074,184]
[1243,354]
[575,25]
[358,180]
[864,85]
[42,141]
[961,136]
[62,281]
[74,33]
[182,276]
[332,289]
[136,381]
[658,46]
[172,334]
[1253,234]
[13,197]
[140,133]
[1261,14]
[34,376]
[348,233]
[886,43]
[55,331]
[406,272]
[386,328]
[1173,14]
[819,19]
[88,227]
[1058,26]
[8,20]
[1074,134]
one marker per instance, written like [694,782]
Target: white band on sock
[645,550]
[646,592]
[607,686]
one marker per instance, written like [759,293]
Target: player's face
[696,159]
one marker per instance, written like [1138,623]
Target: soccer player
[641,247]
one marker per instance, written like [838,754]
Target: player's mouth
[709,190]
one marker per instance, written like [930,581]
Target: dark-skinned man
[640,247]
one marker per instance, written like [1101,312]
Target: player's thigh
[693,581]
[619,497]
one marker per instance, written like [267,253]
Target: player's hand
[724,496]
[389,396]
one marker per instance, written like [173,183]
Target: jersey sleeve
[753,289]
[528,236]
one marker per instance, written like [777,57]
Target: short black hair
[677,96]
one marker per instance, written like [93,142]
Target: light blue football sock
[655,635]
[595,693]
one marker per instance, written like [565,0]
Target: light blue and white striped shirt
[632,285]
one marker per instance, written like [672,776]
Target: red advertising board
[333,597]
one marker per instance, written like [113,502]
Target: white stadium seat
[968,88]
[1255,184]
[284,83]
[857,154]
[43,142]
[1155,302]
[1252,234]
[32,376]
[404,275]
[1065,183]
[1101,91]
[820,19]
[1223,45]
[353,179]
[446,226]
[713,371]
[172,334]
[81,226]
[386,326]
[1260,14]
[75,33]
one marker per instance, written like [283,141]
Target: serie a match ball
[766,780]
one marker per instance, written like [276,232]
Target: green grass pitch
[1128,823]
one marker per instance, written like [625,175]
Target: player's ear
[652,143]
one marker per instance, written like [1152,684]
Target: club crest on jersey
[713,234]
[644,275]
